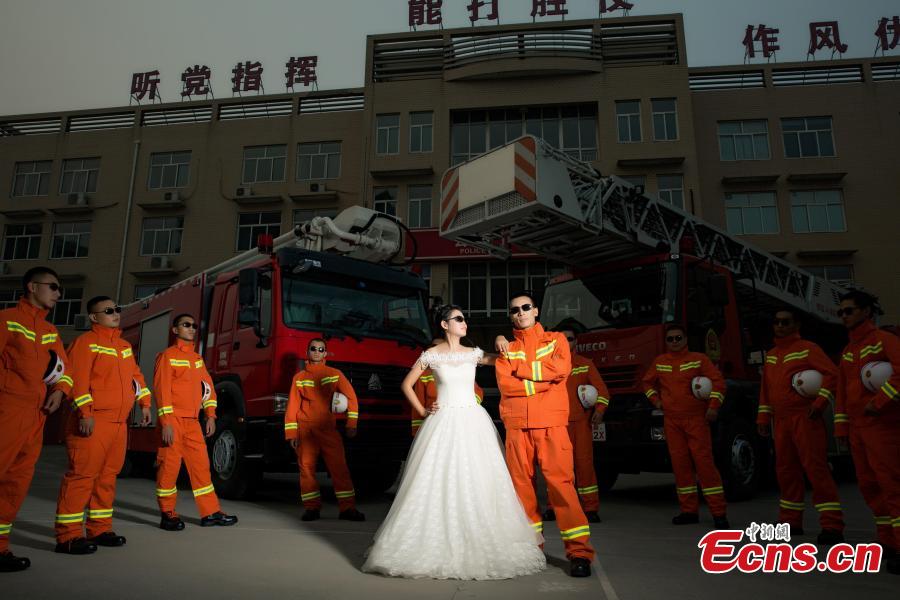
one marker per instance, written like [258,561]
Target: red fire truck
[636,264]
[258,311]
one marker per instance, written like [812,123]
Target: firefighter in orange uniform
[107,381]
[667,384]
[869,415]
[425,390]
[310,427]
[581,420]
[534,407]
[31,359]
[182,386]
[800,438]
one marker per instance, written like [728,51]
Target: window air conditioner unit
[78,199]
[243,191]
[316,187]
[82,323]
[160,262]
[172,197]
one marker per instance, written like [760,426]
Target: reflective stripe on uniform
[347,494]
[664,368]
[165,410]
[66,379]
[306,383]
[426,378]
[175,362]
[889,390]
[587,490]
[713,490]
[329,379]
[545,350]
[529,387]
[538,526]
[826,393]
[143,393]
[841,418]
[650,393]
[162,493]
[579,370]
[5,528]
[520,355]
[867,350]
[417,422]
[575,532]
[49,338]
[717,396]
[764,408]
[537,371]
[790,505]
[126,353]
[19,328]
[689,365]
[98,349]
[209,404]
[772,360]
[352,414]
[882,520]
[208,489]
[690,489]
[796,356]
[827,506]
[602,400]
[290,426]
[848,356]
[198,364]
[104,513]
[310,495]
[82,400]
[70,518]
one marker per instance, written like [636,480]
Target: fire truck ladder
[530,195]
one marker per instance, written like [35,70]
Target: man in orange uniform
[105,374]
[871,420]
[310,427]
[800,438]
[426,391]
[183,386]
[534,407]
[581,420]
[667,384]
[26,342]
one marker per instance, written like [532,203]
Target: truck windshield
[355,307]
[644,295]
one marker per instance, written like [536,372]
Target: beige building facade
[801,158]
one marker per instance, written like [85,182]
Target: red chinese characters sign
[144,84]
[301,69]
[247,77]
[766,37]
[476,6]
[548,8]
[888,33]
[825,34]
[425,12]
[608,6]
[196,81]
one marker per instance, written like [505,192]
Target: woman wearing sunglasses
[667,384]
[456,514]
[107,383]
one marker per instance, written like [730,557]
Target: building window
[387,134]
[318,160]
[79,176]
[22,242]
[807,137]
[671,189]
[837,274]
[264,163]
[419,206]
[636,180]
[818,211]
[424,270]
[32,178]
[484,288]
[385,200]
[302,215]
[628,119]
[142,291]
[161,236]
[253,225]
[68,305]
[572,129]
[744,140]
[10,298]
[665,119]
[70,240]
[751,213]
[169,170]
[420,129]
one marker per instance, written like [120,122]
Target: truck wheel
[606,478]
[235,477]
[739,460]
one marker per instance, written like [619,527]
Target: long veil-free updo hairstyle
[441,314]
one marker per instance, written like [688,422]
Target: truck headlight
[280,403]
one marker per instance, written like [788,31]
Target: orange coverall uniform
[309,418]
[534,406]
[103,369]
[800,442]
[668,380]
[177,385]
[874,439]
[426,391]
[26,337]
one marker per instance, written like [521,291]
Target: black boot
[171,522]
[218,518]
[830,537]
[892,565]
[580,567]
[685,519]
[721,522]
[351,514]
[311,514]
[592,516]
[109,539]
[10,563]
[76,546]
[549,515]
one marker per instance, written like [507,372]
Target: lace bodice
[454,374]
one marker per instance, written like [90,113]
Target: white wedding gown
[456,514]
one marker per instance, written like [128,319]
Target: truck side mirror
[718,289]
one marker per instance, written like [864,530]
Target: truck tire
[234,476]
[606,479]
[740,459]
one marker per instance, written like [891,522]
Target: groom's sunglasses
[514,310]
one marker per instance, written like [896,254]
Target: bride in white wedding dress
[456,514]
